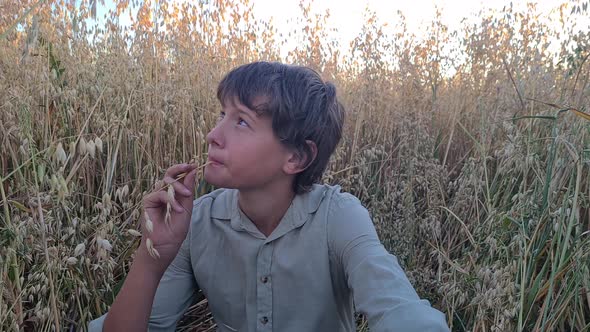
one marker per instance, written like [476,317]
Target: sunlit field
[470,149]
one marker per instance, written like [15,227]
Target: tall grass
[473,177]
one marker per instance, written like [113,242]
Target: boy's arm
[380,288]
[159,289]
[160,297]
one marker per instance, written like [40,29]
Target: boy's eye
[241,122]
[220,116]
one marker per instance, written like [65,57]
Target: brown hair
[302,106]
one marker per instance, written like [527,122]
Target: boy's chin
[211,180]
[216,182]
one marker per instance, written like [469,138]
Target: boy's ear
[299,161]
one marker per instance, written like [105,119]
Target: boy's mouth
[213,161]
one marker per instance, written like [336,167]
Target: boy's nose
[215,137]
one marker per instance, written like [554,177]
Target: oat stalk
[171,197]
[151,250]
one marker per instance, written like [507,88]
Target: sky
[347,16]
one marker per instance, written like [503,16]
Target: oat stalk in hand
[183,175]
[151,250]
[149,225]
[171,197]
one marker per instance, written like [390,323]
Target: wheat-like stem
[148,222]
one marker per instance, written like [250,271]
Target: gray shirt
[323,261]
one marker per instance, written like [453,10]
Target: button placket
[264,287]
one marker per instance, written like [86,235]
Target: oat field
[470,148]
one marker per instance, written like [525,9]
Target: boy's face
[244,152]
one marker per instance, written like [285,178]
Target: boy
[273,251]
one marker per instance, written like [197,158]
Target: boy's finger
[176,170]
[154,200]
[178,186]
[159,200]
[189,180]
[175,205]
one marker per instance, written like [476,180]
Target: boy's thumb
[189,183]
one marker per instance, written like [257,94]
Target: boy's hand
[167,235]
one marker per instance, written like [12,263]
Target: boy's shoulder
[339,198]
[331,197]
[220,203]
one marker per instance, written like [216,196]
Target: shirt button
[264,279]
[264,320]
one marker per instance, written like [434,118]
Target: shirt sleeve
[176,291]
[381,291]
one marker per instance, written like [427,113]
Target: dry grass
[480,189]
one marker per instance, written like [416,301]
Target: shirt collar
[225,207]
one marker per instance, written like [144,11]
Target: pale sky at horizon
[348,18]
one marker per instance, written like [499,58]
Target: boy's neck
[266,207]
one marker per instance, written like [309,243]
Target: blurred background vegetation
[470,148]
